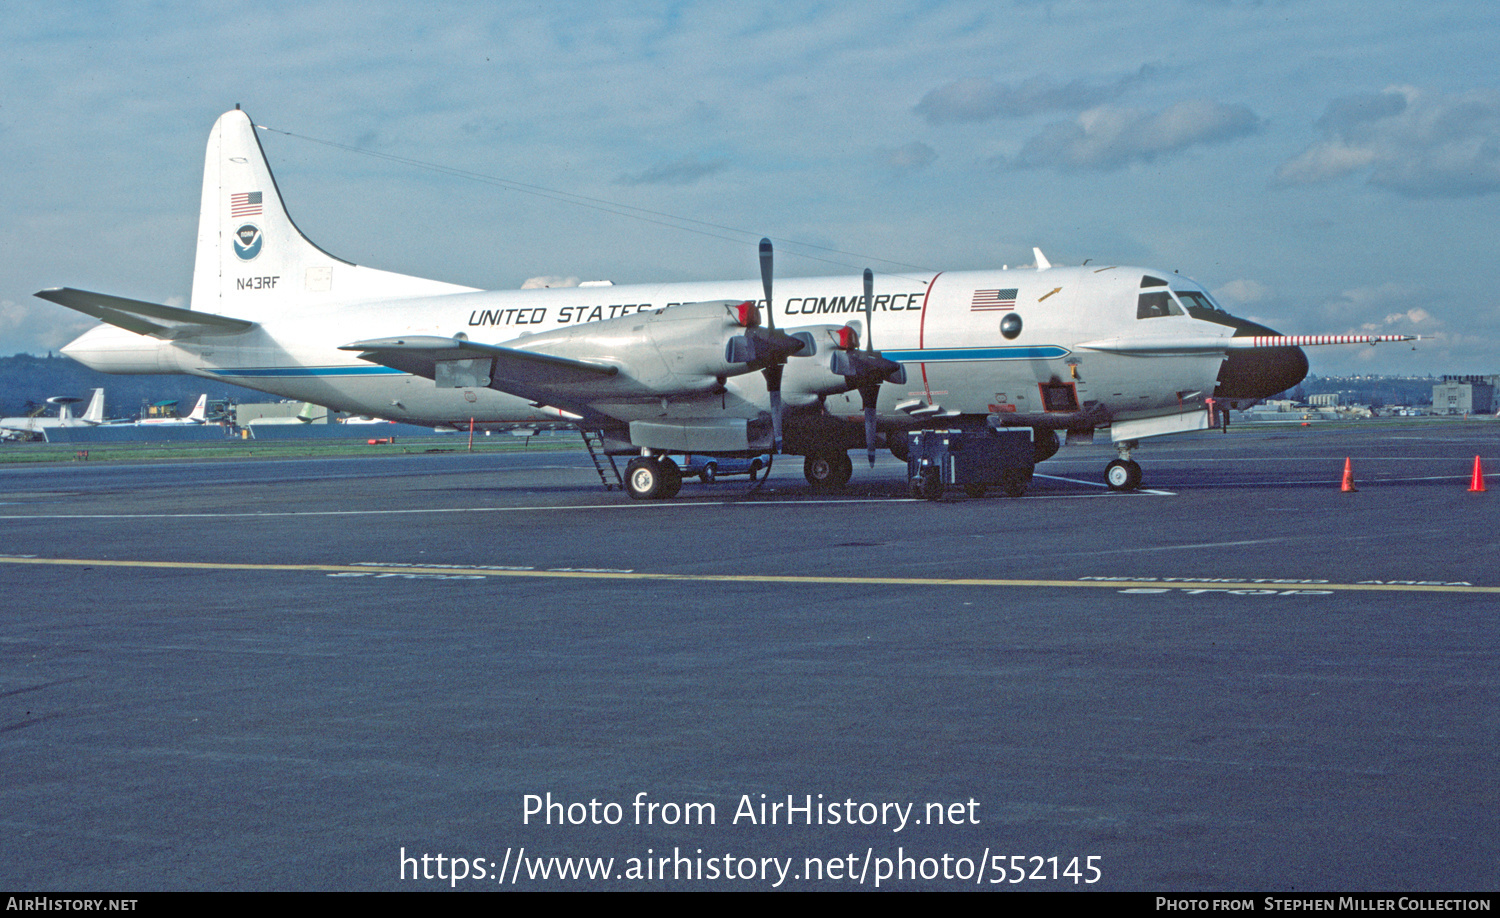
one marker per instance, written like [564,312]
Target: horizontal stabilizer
[1205,343]
[144,318]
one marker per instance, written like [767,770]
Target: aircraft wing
[425,355]
[143,318]
[661,372]
[455,363]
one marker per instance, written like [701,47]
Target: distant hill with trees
[27,381]
[1378,391]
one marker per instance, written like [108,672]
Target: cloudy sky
[1329,166]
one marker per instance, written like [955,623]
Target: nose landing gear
[1123,474]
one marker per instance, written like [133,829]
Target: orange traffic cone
[1348,485]
[1477,484]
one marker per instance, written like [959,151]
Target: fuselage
[976,343]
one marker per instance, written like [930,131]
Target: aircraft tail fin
[94,414]
[200,409]
[252,260]
[311,413]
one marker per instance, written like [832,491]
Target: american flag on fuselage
[990,300]
[244,204]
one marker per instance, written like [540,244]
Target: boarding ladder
[604,463]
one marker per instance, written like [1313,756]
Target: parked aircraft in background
[364,420]
[198,415]
[310,414]
[723,368]
[31,428]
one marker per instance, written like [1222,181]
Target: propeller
[765,349]
[773,369]
[867,370]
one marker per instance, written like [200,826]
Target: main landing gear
[653,478]
[828,471]
[1123,474]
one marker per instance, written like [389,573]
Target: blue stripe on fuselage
[303,372]
[948,354]
[929,355]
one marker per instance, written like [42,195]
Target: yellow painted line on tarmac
[790,579]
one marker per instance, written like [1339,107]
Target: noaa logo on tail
[247,240]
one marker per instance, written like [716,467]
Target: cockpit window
[1197,299]
[1149,281]
[1155,304]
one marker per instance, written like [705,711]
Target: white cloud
[1416,318]
[1388,308]
[1110,137]
[979,99]
[1411,142]
[44,329]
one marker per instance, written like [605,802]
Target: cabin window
[1155,304]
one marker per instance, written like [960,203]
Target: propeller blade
[869,312]
[869,395]
[773,386]
[765,280]
[773,370]
[868,370]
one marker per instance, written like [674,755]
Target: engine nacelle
[691,348]
[812,374]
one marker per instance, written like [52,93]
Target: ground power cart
[974,460]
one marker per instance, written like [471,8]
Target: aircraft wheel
[671,479]
[644,479]
[710,469]
[755,466]
[1123,475]
[828,470]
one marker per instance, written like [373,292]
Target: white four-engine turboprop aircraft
[707,368]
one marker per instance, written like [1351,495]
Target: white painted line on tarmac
[1133,550]
[746,502]
[1147,585]
[1099,484]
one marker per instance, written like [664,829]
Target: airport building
[1464,395]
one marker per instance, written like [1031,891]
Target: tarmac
[483,671]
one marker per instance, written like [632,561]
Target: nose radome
[1248,375]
